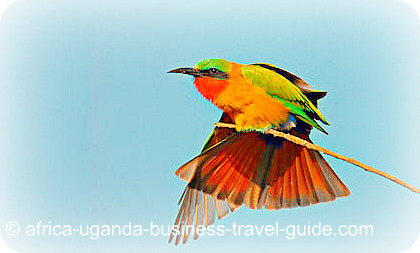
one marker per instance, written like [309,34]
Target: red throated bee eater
[244,165]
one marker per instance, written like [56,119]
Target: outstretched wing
[287,88]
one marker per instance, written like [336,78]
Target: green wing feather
[301,114]
[281,88]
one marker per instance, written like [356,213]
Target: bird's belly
[252,109]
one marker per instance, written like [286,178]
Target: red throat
[210,88]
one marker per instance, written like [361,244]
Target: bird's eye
[213,70]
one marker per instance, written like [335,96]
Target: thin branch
[299,141]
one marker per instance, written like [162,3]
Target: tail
[252,169]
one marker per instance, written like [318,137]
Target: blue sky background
[92,128]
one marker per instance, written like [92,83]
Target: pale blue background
[92,128]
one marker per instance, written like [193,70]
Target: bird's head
[211,76]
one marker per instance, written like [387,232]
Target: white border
[4,4]
[415,4]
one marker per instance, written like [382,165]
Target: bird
[244,165]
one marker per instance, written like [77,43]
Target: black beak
[189,71]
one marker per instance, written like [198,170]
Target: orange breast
[249,106]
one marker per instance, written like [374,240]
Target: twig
[299,141]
